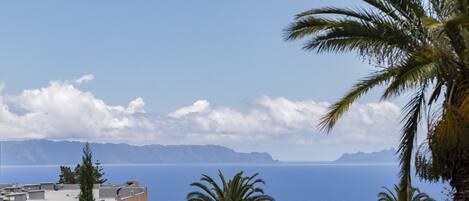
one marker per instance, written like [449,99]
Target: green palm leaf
[414,195]
[339,108]
[239,188]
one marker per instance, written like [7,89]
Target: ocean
[284,181]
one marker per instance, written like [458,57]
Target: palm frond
[215,187]
[385,8]
[197,196]
[239,188]
[345,12]
[307,26]
[412,115]
[380,35]
[414,195]
[206,189]
[387,195]
[414,72]
[339,108]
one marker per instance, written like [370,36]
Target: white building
[130,191]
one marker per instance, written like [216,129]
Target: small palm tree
[239,188]
[414,195]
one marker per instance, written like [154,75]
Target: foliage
[98,173]
[418,46]
[415,195]
[85,175]
[239,188]
[67,176]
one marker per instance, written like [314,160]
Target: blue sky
[171,54]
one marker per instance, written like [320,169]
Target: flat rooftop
[129,191]
[71,195]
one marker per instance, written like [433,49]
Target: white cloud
[136,106]
[84,78]
[63,111]
[271,118]
[197,107]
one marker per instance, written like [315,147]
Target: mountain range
[384,156]
[45,152]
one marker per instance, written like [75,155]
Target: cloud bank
[62,110]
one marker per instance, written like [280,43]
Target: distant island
[384,156]
[45,152]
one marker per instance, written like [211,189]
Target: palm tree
[415,195]
[240,188]
[418,46]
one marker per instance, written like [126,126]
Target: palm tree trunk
[460,182]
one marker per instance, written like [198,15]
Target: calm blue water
[285,182]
